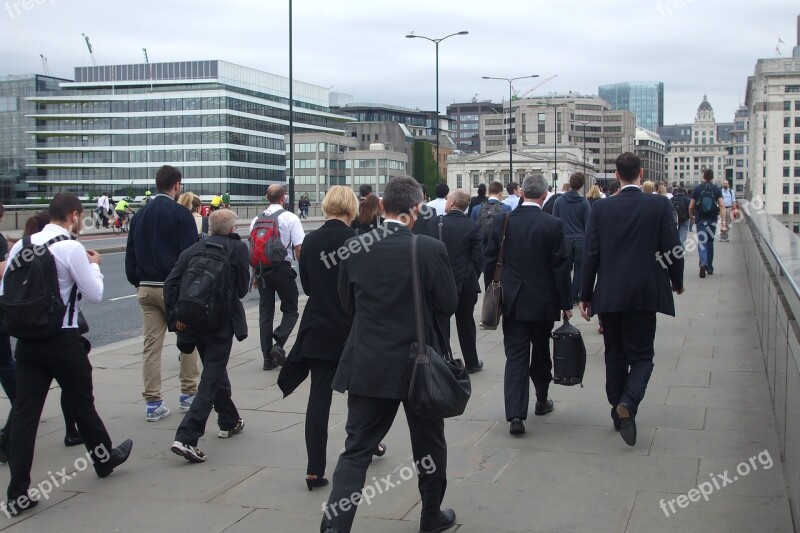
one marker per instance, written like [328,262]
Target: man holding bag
[374,368]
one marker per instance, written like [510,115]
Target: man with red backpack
[276,237]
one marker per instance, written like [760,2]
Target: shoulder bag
[439,386]
[493,297]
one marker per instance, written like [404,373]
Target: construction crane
[529,91]
[146,59]
[475,98]
[89,46]
[44,65]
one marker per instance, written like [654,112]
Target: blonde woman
[594,194]
[648,187]
[324,326]
[192,202]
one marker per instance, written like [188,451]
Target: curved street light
[436,41]
[510,156]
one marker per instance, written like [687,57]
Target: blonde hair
[340,201]
[185,200]
[594,192]
[648,187]
[662,190]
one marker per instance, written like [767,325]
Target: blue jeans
[683,232]
[705,242]
[575,252]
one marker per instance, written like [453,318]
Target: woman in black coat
[369,215]
[324,327]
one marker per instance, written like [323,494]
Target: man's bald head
[275,193]
[459,199]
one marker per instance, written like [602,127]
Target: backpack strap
[440,227]
[73,294]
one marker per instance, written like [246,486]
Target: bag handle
[498,269]
[447,352]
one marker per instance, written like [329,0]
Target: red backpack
[266,249]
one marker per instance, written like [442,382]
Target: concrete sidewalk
[707,410]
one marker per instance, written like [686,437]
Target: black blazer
[462,237]
[376,291]
[324,326]
[626,236]
[240,264]
[426,217]
[365,228]
[536,271]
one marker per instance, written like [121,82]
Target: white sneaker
[156,411]
[185,401]
[189,452]
[226,434]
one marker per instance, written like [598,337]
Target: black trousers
[280,280]
[527,346]
[318,413]
[368,422]
[465,325]
[213,391]
[64,358]
[628,339]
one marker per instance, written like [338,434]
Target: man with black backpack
[680,203]
[46,276]
[276,236]
[706,207]
[202,295]
[484,213]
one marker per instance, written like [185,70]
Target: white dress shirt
[289,227]
[438,204]
[512,201]
[72,265]
[103,202]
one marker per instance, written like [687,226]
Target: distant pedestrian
[484,213]
[477,200]
[103,210]
[364,191]
[512,200]
[442,190]
[706,207]
[594,194]
[369,215]
[226,200]
[729,198]
[574,210]
[680,203]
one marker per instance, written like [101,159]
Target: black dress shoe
[475,368]
[615,418]
[542,408]
[15,507]
[627,425]
[314,482]
[119,455]
[269,363]
[517,426]
[445,520]
[70,440]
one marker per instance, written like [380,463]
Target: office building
[738,161]
[466,123]
[645,99]
[652,150]
[222,124]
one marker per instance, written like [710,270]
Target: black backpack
[486,215]
[708,203]
[204,295]
[569,355]
[680,207]
[32,306]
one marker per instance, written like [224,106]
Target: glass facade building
[15,138]
[643,99]
[222,124]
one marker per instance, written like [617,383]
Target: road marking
[121,298]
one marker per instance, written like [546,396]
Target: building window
[797,172]
[787,155]
[796,208]
[787,121]
[785,208]
[785,188]
[797,138]
[787,138]
[475,179]
[797,105]
[459,181]
[797,122]
[797,188]
[787,105]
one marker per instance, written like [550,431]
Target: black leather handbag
[440,386]
[492,310]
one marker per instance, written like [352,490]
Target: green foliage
[425,170]
[130,193]
[44,200]
[92,194]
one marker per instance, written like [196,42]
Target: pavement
[706,414]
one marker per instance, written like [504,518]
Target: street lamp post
[555,143]
[436,125]
[584,145]
[510,156]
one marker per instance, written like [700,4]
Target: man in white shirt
[279,279]
[63,357]
[513,195]
[442,190]
[729,197]
[102,210]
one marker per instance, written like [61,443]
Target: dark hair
[481,190]
[577,180]
[614,187]
[365,190]
[511,187]
[36,223]
[495,187]
[442,190]
[401,195]
[708,174]
[369,210]
[63,204]
[166,178]
[629,166]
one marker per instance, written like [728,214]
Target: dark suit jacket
[536,271]
[426,217]
[376,290]
[624,236]
[324,326]
[240,266]
[462,237]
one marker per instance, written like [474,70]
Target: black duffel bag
[440,385]
[569,355]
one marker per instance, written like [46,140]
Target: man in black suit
[536,286]
[462,237]
[376,290]
[633,252]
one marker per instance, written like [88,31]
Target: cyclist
[147,198]
[121,210]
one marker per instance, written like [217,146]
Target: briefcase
[492,309]
[569,355]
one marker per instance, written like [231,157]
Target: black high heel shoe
[380,451]
[314,482]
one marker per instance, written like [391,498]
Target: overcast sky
[359,46]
